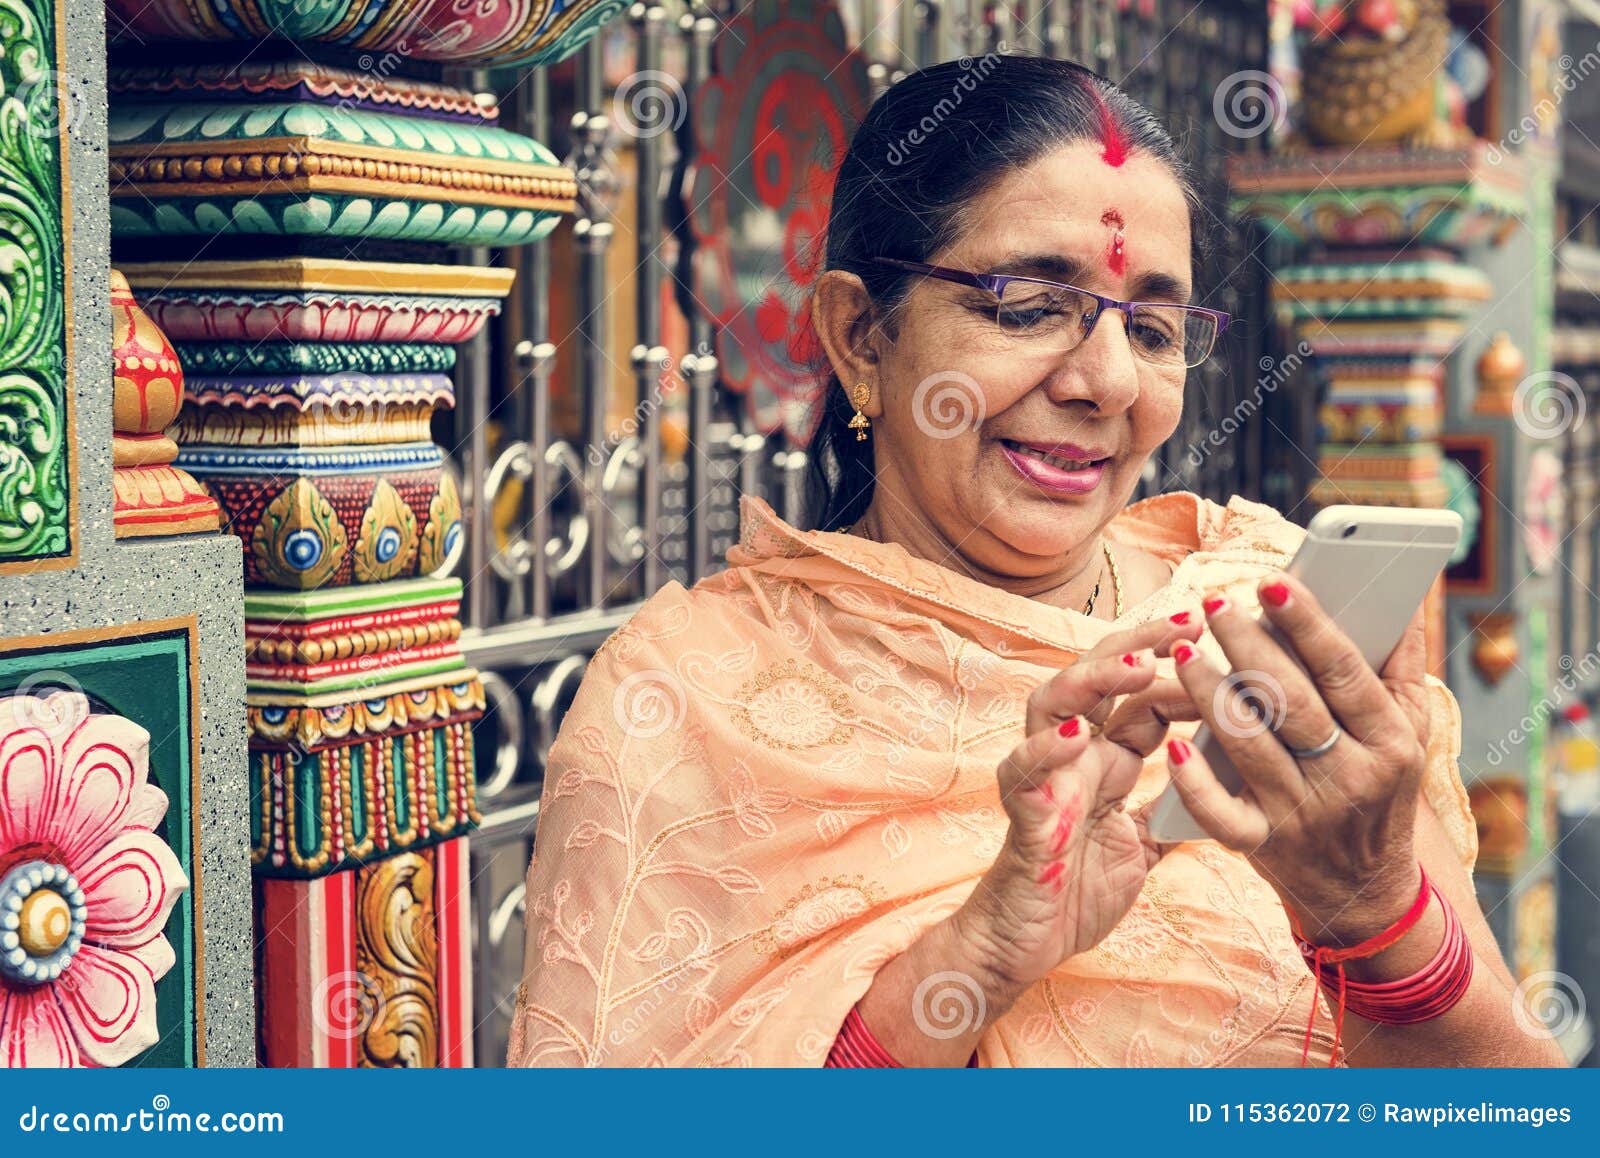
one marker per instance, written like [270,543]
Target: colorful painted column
[1420,214]
[297,209]
[1382,295]
[124,878]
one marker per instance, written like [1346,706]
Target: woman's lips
[1050,477]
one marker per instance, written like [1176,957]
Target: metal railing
[602,455]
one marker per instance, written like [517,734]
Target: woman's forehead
[1068,198]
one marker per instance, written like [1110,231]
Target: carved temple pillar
[1381,294]
[1421,223]
[285,223]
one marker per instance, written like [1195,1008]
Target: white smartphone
[1370,568]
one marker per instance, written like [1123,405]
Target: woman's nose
[1101,369]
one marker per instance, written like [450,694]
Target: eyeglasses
[1052,317]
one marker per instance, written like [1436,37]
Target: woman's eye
[1044,309]
[1151,337]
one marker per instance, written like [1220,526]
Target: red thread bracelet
[1426,994]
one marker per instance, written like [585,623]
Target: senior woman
[875,793]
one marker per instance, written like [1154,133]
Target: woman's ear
[846,323]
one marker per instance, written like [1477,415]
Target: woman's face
[961,401]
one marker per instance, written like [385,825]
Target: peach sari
[770,784]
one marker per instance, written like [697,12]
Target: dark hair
[929,146]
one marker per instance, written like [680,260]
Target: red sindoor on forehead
[1113,141]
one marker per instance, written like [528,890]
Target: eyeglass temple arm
[960,277]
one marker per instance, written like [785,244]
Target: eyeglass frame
[996,283]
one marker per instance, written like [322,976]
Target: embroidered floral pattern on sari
[815,909]
[791,707]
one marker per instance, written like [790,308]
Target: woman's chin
[1045,533]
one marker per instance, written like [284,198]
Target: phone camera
[1348,531]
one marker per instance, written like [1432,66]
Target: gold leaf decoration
[299,542]
[396,949]
[387,541]
[443,528]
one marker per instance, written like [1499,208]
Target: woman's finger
[1405,674]
[1272,685]
[1029,765]
[1158,635]
[1048,784]
[1261,760]
[1235,821]
[1139,721]
[1346,682]
[1088,688]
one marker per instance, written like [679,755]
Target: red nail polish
[1214,604]
[1044,790]
[1183,653]
[1276,593]
[1130,660]
[1070,727]
[1178,750]
[1181,618]
[1051,872]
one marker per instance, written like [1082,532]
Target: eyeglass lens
[1054,318]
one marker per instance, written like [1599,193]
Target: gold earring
[860,423]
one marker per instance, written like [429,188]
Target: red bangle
[856,1048]
[1428,993]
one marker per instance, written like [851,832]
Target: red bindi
[1116,248]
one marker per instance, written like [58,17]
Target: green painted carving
[228,358]
[33,391]
[302,169]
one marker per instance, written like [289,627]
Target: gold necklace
[1088,608]
[1116,583]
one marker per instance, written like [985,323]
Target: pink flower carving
[85,885]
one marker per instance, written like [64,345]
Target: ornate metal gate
[634,389]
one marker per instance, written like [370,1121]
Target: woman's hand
[1333,833]
[1073,861]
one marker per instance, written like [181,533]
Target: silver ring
[1320,749]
